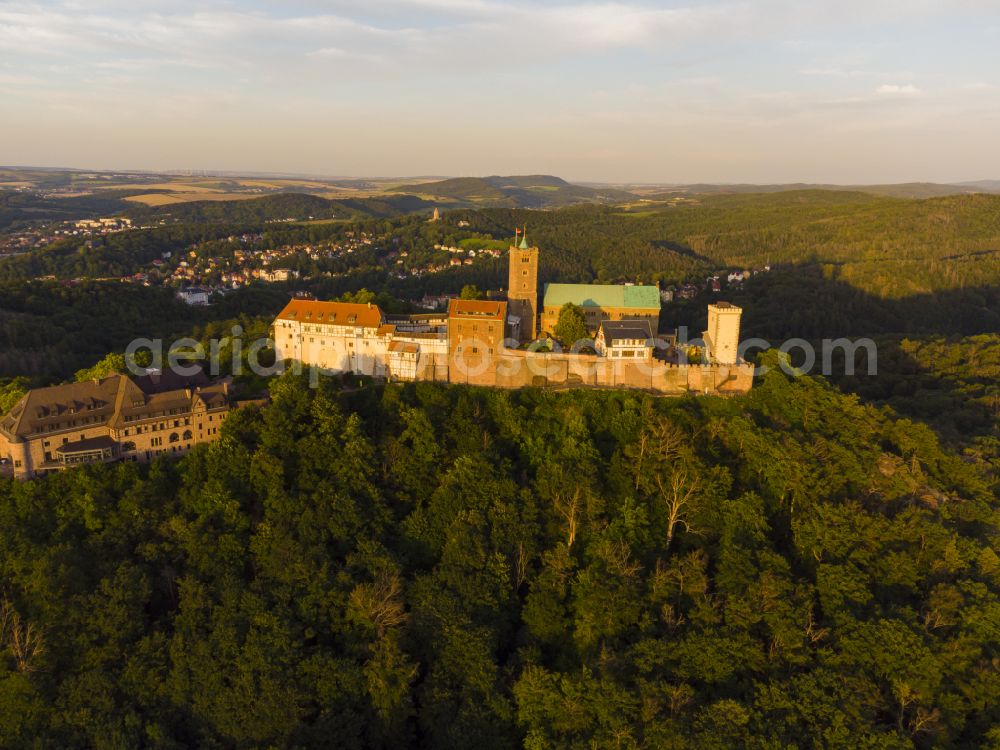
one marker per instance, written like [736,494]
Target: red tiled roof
[477,308]
[337,313]
[406,347]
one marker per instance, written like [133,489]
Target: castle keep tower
[522,285]
[722,339]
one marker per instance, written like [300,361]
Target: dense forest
[282,206]
[418,566]
[48,330]
[813,564]
[887,247]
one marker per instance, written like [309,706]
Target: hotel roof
[107,401]
[57,404]
[332,313]
[602,295]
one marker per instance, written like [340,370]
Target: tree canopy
[417,565]
[571,325]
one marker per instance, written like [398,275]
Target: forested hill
[280,207]
[19,209]
[517,191]
[424,566]
[893,190]
[887,247]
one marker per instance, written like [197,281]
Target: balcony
[89,451]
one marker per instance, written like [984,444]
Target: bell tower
[522,285]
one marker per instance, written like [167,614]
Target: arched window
[187,434]
[174,437]
[128,446]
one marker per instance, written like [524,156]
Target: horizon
[247,173]
[631,92]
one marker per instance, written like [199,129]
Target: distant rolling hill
[898,190]
[986,186]
[516,191]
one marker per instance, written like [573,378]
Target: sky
[769,91]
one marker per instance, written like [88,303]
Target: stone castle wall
[519,369]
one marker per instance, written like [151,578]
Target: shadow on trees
[799,302]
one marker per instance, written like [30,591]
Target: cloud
[839,72]
[980,86]
[895,89]
[585,72]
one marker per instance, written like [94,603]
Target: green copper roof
[642,296]
[602,295]
[524,243]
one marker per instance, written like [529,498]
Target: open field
[284,184]
[167,199]
[314,222]
[176,187]
[345,193]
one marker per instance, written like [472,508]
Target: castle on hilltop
[496,342]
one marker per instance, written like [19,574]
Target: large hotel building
[116,418]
